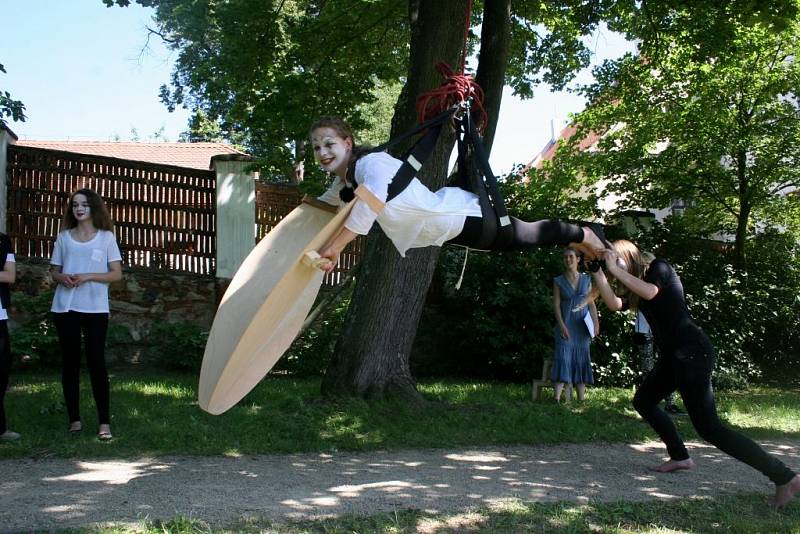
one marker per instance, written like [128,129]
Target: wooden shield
[264,306]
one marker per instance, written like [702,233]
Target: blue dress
[571,361]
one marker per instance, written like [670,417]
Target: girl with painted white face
[417,217]
[685,363]
[86,259]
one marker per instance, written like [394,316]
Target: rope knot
[454,90]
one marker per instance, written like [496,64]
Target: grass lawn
[156,413]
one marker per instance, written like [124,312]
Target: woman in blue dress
[571,361]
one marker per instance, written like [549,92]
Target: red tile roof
[549,150]
[192,155]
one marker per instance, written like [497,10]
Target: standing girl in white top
[418,217]
[86,259]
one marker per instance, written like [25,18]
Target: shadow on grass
[455,449]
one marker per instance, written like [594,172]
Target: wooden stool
[545,381]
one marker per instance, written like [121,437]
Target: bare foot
[675,465]
[785,492]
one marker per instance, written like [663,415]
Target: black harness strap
[479,179]
[488,187]
[412,161]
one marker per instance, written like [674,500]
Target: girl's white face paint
[80,207]
[331,151]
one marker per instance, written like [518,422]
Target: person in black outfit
[8,274]
[685,363]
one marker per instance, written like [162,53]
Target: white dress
[415,218]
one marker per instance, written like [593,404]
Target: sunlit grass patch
[152,389]
[744,514]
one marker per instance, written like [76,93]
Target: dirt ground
[56,493]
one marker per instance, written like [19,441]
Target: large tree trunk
[371,358]
[493,60]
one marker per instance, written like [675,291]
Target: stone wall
[140,300]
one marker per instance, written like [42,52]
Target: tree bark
[493,60]
[371,357]
[744,210]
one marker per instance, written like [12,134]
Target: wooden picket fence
[164,215]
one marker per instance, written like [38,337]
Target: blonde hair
[636,263]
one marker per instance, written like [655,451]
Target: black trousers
[689,372]
[92,328]
[5,367]
[525,235]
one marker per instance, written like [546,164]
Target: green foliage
[35,334]
[750,315]
[178,346]
[717,131]
[10,107]
[263,70]
[500,323]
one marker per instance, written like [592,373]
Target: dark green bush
[177,346]
[751,313]
[500,324]
[34,334]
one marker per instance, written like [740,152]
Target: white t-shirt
[416,217]
[3,312]
[75,257]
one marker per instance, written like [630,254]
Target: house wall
[7,137]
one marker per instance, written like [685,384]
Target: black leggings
[689,372]
[92,327]
[525,235]
[5,367]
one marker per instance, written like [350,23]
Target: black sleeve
[659,274]
[6,247]
[9,244]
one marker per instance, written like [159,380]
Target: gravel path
[56,493]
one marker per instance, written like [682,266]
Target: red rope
[455,89]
